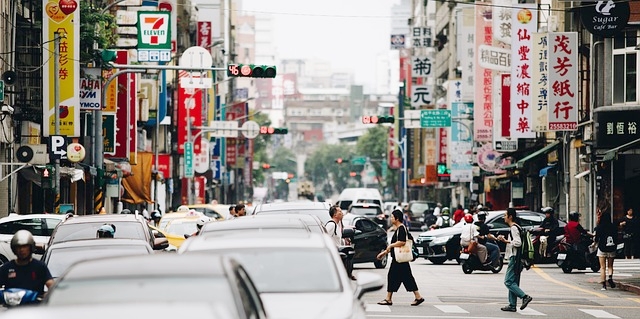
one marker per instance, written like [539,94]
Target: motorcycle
[552,246]
[471,262]
[580,256]
[12,297]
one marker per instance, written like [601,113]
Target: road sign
[435,118]
[216,169]
[188,159]
[1,91]
[224,128]
[359,160]
[250,129]
[58,147]
[190,82]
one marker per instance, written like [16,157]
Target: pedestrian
[240,210]
[605,236]
[399,273]
[458,215]
[334,228]
[512,253]
[630,234]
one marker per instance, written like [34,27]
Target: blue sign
[216,168]
[216,142]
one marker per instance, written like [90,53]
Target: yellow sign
[61,19]
[111,97]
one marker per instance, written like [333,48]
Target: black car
[369,240]
[420,213]
[443,244]
[372,211]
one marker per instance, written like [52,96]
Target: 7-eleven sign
[154,31]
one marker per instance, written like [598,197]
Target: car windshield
[59,259]
[182,227]
[170,288]
[366,211]
[289,270]
[129,230]
[419,207]
[323,214]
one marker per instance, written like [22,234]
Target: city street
[449,293]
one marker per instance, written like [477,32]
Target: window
[625,62]
[366,225]
[34,225]
[527,220]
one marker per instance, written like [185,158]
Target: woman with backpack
[605,237]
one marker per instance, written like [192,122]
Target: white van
[359,195]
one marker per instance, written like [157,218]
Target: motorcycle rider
[548,227]
[484,237]
[106,231]
[201,221]
[574,233]
[25,272]
[444,220]
[470,233]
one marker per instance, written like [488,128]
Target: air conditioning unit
[33,154]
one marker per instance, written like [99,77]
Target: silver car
[298,275]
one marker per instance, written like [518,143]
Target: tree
[322,169]
[95,27]
[373,145]
[260,146]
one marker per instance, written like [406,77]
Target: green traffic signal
[251,71]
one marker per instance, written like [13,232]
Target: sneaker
[604,288]
[509,308]
[525,301]
[611,283]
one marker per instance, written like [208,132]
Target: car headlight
[441,240]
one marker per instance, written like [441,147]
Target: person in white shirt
[470,233]
[334,228]
[512,253]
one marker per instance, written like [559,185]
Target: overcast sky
[347,33]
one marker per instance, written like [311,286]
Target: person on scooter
[485,236]
[25,272]
[470,233]
[548,230]
[574,234]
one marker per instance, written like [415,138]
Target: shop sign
[605,18]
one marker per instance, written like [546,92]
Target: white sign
[250,129]
[540,82]
[224,128]
[58,147]
[466,45]
[192,82]
[494,58]
[421,37]
[201,160]
[91,89]
[563,81]
[525,22]
[421,95]
[421,66]
[502,20]
[412,118]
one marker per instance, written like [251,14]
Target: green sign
[1,91]
[154,36]
[435,118]
[359,160]
[109,133]
[384,168]
[188,159]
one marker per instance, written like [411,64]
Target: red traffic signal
[375,119]
[339,160]
[251,71]
[266,166]
[352,174]
[273,130]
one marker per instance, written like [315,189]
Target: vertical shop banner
[127,103]
[171,6]
[540,81]
[524,24]
[431,158]
[461,146]
[502,21]
[204,34]
[466,49]
[111,91]
[63,18]
[421,37]
[191,99]
[502,142]
[563,81]
[483,109]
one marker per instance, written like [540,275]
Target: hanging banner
[540,82]
[461,145]
[563,81]
[483,108]
[466,49]
[525,22]
[64,19]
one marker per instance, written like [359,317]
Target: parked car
[41,227]
[371,211]
[160,278]
[60,256]
[320,209]
[369,240]
[132,226]
[297,275]
[443,244]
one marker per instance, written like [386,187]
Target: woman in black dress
[399,273]
[630,234]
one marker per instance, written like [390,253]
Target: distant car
[274,225]
[41,227]
[131,226]
[421,213]
[350,196]
[320,209]
[297,275]
[59,257]
[312,221]
[371,211]
[166,218]
[159,278]
[217,212]
[369,240]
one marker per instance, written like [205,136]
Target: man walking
[334,228]
[512,253]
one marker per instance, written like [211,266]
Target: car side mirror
[39,250]
[160,243]
[158,234]
[348,233]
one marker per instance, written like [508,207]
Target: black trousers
[400,273]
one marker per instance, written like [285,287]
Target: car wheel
[595,267]
[381,263]
[438,260]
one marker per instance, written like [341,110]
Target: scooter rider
[25,272]
[549,227]
[573,232]
[470,233]
[485,236]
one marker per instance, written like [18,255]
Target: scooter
[581,256]
[13,297]
[471,262]
[552,247]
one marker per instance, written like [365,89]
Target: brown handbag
[473,247]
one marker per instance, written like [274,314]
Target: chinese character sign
[421,37]
[483,108]
[421,66]
[563,81]
[502,21]
[63,19]
[466,49]
[189,100]
[461,145]
[540,81]
[525,23]
[204,34]
[421,95]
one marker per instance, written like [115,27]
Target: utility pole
[56,109]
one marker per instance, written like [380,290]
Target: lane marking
[372,307]
[530,312]
[450,309]
[544,275]
[599,313]
[635,299]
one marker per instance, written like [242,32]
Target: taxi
[176,228]
[215,211]
[170,237]
[166,218]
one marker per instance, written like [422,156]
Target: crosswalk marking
[371,307]
[450,309]
[599,313]
[530,312]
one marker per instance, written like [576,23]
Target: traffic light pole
[56,110]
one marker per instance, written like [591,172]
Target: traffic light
[352,174]
[107,56]
[273,130]
[375,119]
[251,71]
[46,177]
[339,160]
[266,166]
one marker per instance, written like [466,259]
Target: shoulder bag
[404,253]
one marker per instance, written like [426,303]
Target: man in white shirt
[512,276]
[334,229]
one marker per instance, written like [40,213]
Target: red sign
[164,165]
[204,34]
[189,101]
[443,147]
[127,97]
[506,104]
[198,188]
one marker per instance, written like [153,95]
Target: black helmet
[574,216]
[22,238]
[482,215]
[156,215]
[106,231]
[548,210]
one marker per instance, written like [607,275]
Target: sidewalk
[631,284]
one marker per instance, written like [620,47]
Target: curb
[629,287]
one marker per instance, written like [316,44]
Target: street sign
[154,36]
[435,118]
[58,147]
[384,168]
[188,159]
[216,169]
[359,160]
[1,91]
[109,133]
[224,128]
[505,146]
[250,129]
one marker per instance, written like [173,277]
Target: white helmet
[182,209]
[203,220]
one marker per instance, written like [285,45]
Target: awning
[545,171]
[612,153]
[520,163]
[581,174]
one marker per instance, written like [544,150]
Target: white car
[40,225]
[298,275]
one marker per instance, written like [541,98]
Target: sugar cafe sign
[604,18]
